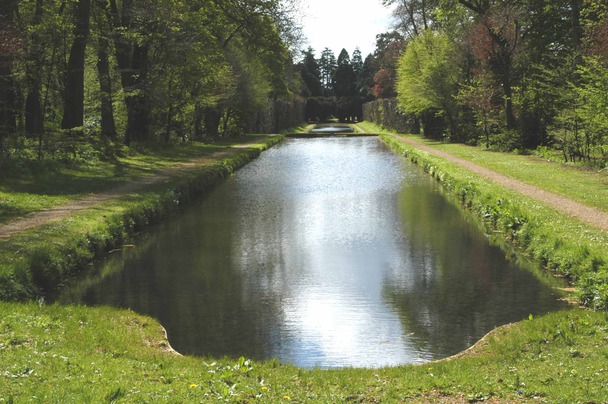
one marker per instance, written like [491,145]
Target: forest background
[82,79]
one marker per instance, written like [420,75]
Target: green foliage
[311,74]
[344,77]
[148,76]
[581,127]
[528,74]
[429,75]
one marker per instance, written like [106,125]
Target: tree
[257,26]
[481,97]
[344,77]
[131,26]
[357,61]
[365,79]
[10,46]
[107,121]
[34,114]
[592,94]
[384,82]
[495,40]
[73,102]
[388,49]
[428,79]
[414,16]
[311,74]
[327,64]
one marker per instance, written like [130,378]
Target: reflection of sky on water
[323,252]
[337,224]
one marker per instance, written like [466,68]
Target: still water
[325,252]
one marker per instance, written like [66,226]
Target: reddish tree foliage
[384,83]
[11,44]
[388,50]
[494,42]
[598,41]
[495,37]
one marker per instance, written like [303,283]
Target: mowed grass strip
[51,188]
[77,354]
[585,185]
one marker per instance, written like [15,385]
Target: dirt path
[584,213]
[42,217]
[589,215]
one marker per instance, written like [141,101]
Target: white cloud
[347,24]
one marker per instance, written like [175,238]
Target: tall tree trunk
[577,30]
[424,16]
[73,102]
[132,59]
[34,115]
[508,91]
[108,125]
[103,27]
[511,122]
[8,51]
[199,114]
[138,105]
[213,117]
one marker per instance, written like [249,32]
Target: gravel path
[584,213]
[589,215]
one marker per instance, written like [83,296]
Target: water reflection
[323,252]
[461,287]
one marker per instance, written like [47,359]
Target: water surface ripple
[326,252]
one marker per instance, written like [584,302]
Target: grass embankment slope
[75,354]
[564,245]
[99,206]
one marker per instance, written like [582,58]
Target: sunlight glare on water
[327,252]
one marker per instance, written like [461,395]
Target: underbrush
[564,246]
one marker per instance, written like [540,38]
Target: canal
[326,252]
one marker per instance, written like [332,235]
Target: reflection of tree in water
[179,276]
[261,265]
[455,287]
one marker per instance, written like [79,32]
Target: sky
[347,24]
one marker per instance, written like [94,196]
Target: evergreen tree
[365,79]
[357,61]
[327,64]
[311,74]
[344,82]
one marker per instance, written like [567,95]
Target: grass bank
[41,187]
[52,353]
[76,354]
[565,246]
[35,262]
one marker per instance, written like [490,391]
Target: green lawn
[55,354]
[37,260]
[52,353]
[584,185]
[46,189]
